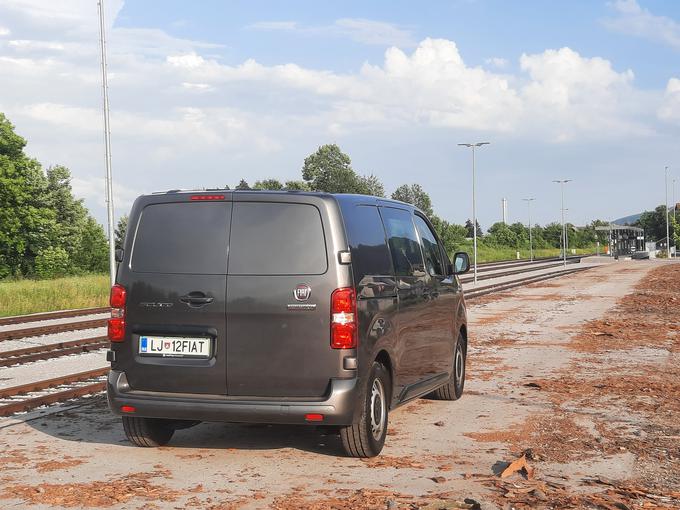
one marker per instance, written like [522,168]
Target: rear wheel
[453,390]
[148,432]
[367,437]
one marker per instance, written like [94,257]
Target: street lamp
[531,240]
[668,236]
[675,255]
[564,229]
[473,146]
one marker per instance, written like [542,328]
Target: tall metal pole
[668,236]
[531,240]
[474,215]
[107,144]
[564,228]
[474,205]
[675,255]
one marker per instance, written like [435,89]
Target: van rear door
[278,300]
[176,284]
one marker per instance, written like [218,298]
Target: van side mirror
[461,262]
[119,255]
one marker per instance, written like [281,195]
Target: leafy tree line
[330,170]
[44,230]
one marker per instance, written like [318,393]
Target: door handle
[196,299]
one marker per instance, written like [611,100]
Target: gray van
[281,307]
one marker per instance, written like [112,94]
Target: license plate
[174,346]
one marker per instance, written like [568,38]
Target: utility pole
[107,145]
[531,240]
[564,228]
[473,146]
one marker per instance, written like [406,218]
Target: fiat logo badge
[302,292]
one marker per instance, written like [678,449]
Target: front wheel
[453,390]
[367,437]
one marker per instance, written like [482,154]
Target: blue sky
[205,93]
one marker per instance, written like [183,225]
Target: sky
[205,93]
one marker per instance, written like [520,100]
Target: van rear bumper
[337,408]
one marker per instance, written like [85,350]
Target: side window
[433,255]
[366,237]
[403,241]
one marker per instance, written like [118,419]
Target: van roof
[340,197]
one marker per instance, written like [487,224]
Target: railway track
[48,351]
[30,396]
[62,314]
[14,334]
[25,397]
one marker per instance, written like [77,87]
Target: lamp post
[473,146]
[107,148]
[531,240]
[675,255]
[564,229]
[668,236]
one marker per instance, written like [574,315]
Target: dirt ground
[576,379]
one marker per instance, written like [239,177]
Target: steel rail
[53,328]
[49,351]
[50,383]
[60,314]
[51,398]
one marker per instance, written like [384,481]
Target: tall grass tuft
[20,297]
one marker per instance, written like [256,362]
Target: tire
[147,432]
[367,437]
[453,390]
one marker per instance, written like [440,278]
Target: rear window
[182,238]
[276,239]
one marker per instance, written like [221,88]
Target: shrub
[52,263]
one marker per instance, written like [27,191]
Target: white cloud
[360,30]
[182,117]
[4,31]
[497,62]
[670,108]
[632,19]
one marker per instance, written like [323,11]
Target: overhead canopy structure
[624,239]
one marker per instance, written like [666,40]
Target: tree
[329,169]
[468,229]
[26,221]
[92,253]
[42,225]
[242,185]
[268,184]
[371,186]
[120,231]
[654,223]
[414,194]
[297,185]
[552,233]
[501,235]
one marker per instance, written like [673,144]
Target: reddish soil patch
[97,493]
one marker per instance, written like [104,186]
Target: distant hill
[628,220]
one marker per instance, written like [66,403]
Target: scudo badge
[148,304]
[302,292]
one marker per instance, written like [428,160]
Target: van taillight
[116,325]
[343,319]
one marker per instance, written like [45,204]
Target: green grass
[494,254]
[20,297]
